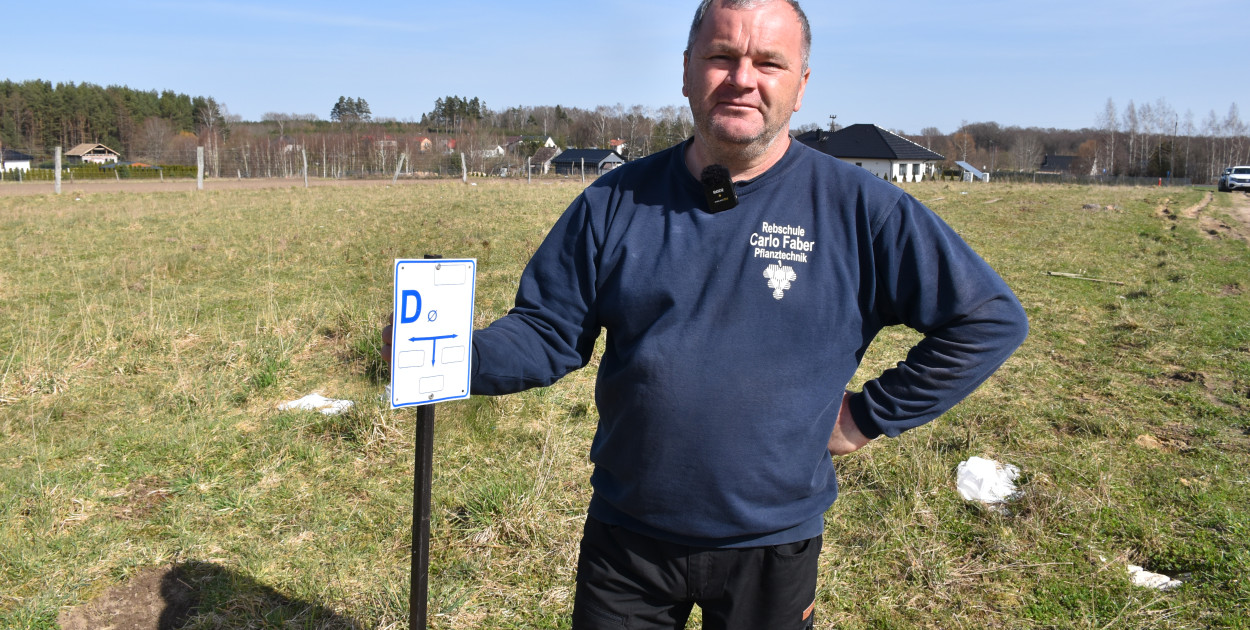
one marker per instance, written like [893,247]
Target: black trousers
[633,582]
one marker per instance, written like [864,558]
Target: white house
[94,153]
[11,160]
[513,142]
[884,154]
[490,152]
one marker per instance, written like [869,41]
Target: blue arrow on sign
[434,348]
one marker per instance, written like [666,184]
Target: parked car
[1235,178]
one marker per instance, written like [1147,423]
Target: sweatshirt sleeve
[552,329]
[929,279]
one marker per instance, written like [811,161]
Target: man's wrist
[856,404]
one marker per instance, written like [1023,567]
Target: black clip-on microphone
[719,188]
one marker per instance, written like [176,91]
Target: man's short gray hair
[701,13]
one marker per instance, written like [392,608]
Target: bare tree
[1189,134]
[1027,150]
[637,128]
[1108,122]
[603,116]
[278,119]
[212,121]
[1234,134]
[1211,129]
[963,141]
[154,136]
[1131,126]
[930,134]
[1086,161]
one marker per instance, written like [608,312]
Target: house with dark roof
[540,162]
[92,152]
[1055,164]
[11,160]
[884,154]
[596,161]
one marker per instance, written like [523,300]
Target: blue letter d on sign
[404,317]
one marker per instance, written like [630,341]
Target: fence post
[583,170]
[464,169]
[529,171]
[403,157]
[199,168]
[304,152]
[58,171]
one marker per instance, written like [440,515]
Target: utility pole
[833,123]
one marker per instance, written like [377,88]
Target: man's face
[744,76]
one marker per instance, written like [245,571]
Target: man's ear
[798,102]
[685,69]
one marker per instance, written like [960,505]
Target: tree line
[36,116]
[1146,140]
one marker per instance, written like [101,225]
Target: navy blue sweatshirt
[731,337]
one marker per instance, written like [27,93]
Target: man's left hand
[386,340]
[846,437]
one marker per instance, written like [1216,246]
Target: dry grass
[147,339]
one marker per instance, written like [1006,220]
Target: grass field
[146,341]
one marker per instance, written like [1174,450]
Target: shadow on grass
[199,594]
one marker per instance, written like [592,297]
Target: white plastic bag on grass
[1144,578]
[317,402]
[986,480]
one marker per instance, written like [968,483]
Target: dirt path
[1237,227]
[1241,215]
[1192,211]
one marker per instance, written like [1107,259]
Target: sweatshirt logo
[779,278]
[782,243]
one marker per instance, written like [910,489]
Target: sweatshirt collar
[742,187]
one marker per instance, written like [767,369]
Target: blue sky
[905,64]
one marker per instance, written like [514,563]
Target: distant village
[122,132]
[883,153]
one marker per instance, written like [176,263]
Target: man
[731,336]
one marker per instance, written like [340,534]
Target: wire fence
[335,158]
[373,160]
[1033,177]
[1087,180]
[100,172]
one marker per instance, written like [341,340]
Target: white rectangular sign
[432,336]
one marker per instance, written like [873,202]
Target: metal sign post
[431,354]
[422,478]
